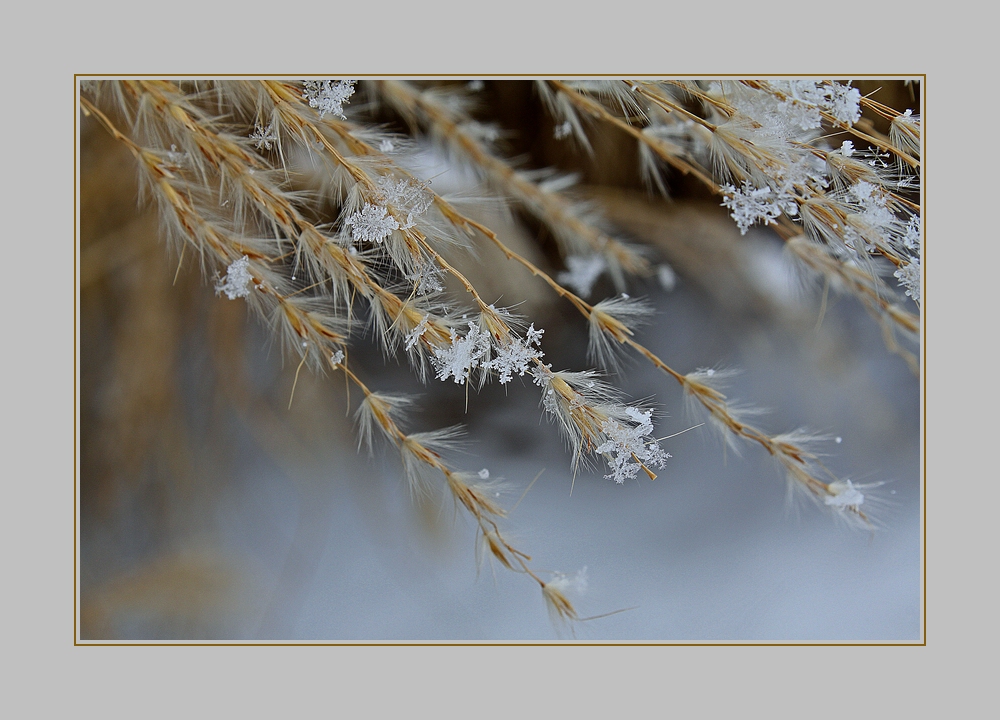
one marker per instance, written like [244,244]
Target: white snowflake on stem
[328,96]
[462,356]
[236,283]
[750,204]
[627,448]
[372,223]
[516,356]
[263,137]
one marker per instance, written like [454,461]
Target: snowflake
[237,281]
[406,196]
[263,137]
[414,335]
[175,157]
[483,132]
[627,448]
[462,356]
[873,202]
[564,583]
[843,102]
[386,146]
[328,96]
[872,209]
[802,107]
[371,224]
[515,357]
[427,277]
[750,204]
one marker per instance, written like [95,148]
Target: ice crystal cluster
[750,205]
[328,96]
[629,446]
[772,145]
[476,349]
[371,224]
[236,283]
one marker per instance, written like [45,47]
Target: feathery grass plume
[614,318]
[904,133]
[302,200]
[421,452]
[381,411]
[561,609]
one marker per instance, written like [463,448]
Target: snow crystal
[462,356]
[627,446]
[328,96]
[406,197]
[371,224]
[516,356]
[236,284]
[263,137]
[843,102]
[414,335]
[750,204]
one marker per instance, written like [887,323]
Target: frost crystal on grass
[871,204]
[788,117]
[627,448]
[409,197]
[371,224]
[844,102]
[750,204]
[236,283]
[175,157]
[263,137]
[801,108]
[413,337]
[565,583]
[427,278]
[514,358]
[463,355]
[328,96]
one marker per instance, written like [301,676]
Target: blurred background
[210,510]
